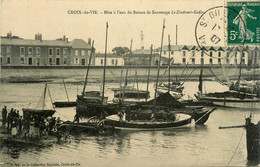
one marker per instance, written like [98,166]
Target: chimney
[64,38]
[9,35]
[38,37]
[89,41]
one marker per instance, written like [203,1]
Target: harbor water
[203,145]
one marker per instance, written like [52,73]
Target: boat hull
[182,120]
[232,102]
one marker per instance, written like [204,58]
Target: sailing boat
[174,88]
[93,103]
[130,93]
[232,98]
[149,119]
[44,107]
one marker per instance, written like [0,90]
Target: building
[16,51]
[111,60]
[142,57]
[183,54]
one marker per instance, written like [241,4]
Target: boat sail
[43,107]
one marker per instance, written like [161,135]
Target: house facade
[183,54]
[111,59]
[16,51]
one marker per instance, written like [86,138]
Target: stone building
[112,59]
[16,51]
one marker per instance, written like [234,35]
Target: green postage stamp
[243,23]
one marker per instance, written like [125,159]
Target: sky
[51,18]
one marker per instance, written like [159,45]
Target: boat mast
[158,72]
[200,78]
[136,80]
[65,89]
[126,74]
[105,62]
[44,96]
[240,70]
[148,78]
[89,63]
[169,70]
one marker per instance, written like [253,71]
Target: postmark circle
[211,31]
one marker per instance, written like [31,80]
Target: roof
[32,42]
[141,51]
[214,48]
[109,55]
[80,44]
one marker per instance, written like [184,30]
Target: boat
[231,98]
[130,94]
[175,88]
[157,124]
[93,103]
[43,108]
[67,103]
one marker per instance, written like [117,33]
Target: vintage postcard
[93,83]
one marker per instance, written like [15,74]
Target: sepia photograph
[143,83]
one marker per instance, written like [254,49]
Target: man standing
[4,114]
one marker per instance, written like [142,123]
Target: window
[183,60]
[164,52]
[219,61]
[193,53]
[76,61]
[172,52]
[83,62]
[64,60]
[202,60]
[183,53]
[57,61]
[227,60]
[8,60]
[76,52]
[210,61]
[22,60]
[21,50]
[29,50]
[210,54]
[219,54]
[38,61]
[8,49]
[65,51]
[38,51]
[116,61]
[193,60]
[101,61]
[30,60]
[58,51]
[112,61]
[50,51]
[50,61]
[82,52]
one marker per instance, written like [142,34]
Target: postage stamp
[243,23]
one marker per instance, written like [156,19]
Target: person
[128,114]
[31,130]
[241,19]
[4,115]
[20,125]
[77,117]
[14,128]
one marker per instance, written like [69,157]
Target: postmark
[211,30]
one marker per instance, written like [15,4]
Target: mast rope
[217,78]
[236,148]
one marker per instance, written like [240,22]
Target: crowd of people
[30,125]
